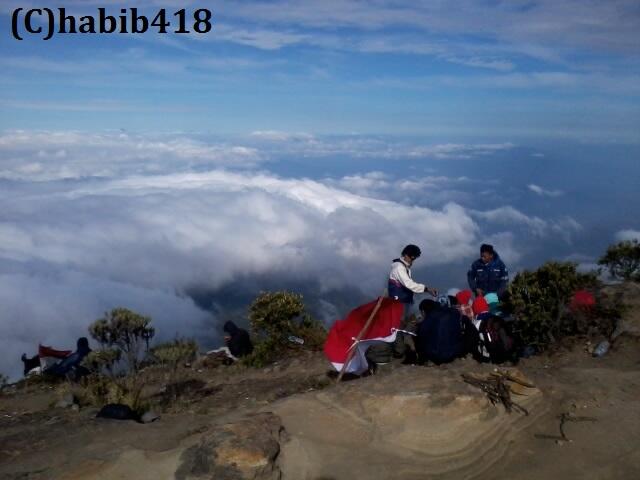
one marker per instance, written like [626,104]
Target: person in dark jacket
[444,334]
[488,274]
[237,340]
[71,366]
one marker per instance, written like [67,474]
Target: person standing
[488,274]
[402,287]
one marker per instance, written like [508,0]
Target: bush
[175,353]
[103,361]
[272,314]
[99,390]
[125,330]
[538,300]
[274,317]
[623,260]
[3,381]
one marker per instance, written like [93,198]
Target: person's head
[229,329]
[487,253]
[410,253]
[82,343]
[426,306]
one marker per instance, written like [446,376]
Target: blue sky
[497,69]
[301,145]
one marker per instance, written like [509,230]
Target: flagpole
[367,324]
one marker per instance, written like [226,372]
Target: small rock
[75,407]
[149,417]
[66,401]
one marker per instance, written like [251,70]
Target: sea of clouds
[94,221]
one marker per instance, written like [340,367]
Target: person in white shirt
[402,287]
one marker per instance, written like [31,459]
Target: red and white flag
[343,333]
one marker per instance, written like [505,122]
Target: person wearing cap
[488,274]
[402,287]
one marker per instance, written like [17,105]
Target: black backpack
[496,343]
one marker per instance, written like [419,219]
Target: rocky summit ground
[290,421]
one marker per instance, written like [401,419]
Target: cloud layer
[94,221]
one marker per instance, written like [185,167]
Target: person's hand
[432,291]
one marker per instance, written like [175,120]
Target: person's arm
[504,280]
[471,277]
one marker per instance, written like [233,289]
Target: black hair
[485,247]
[411,251]
[427,305]
[230,328]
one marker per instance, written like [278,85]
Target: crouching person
[237,343]
[444,334]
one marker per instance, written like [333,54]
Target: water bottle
[601,349]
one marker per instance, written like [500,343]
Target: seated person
[444,334]
[464,299]
[31,365]
[71,364]
[488,274]
[496,345]
[494,303]
[237,340]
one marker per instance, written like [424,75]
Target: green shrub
[538,299]
[125,330]
[103,360]
[99,390]
[272,314]
[175,353]
[274,317]
[623,260]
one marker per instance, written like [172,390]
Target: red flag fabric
[582,300]
[343,333]
[44,351]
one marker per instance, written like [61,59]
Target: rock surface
[399,427]
[243,450]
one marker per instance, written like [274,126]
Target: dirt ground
[600,397]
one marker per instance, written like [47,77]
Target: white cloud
[143,235]
[564,227]
[543,192]
[141,219]
[509,215]
[489,63]
[457,150]
[49,155]
[279,136]
[629,234]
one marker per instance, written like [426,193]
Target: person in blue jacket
[488,274]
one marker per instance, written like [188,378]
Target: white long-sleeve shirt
[401,273]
